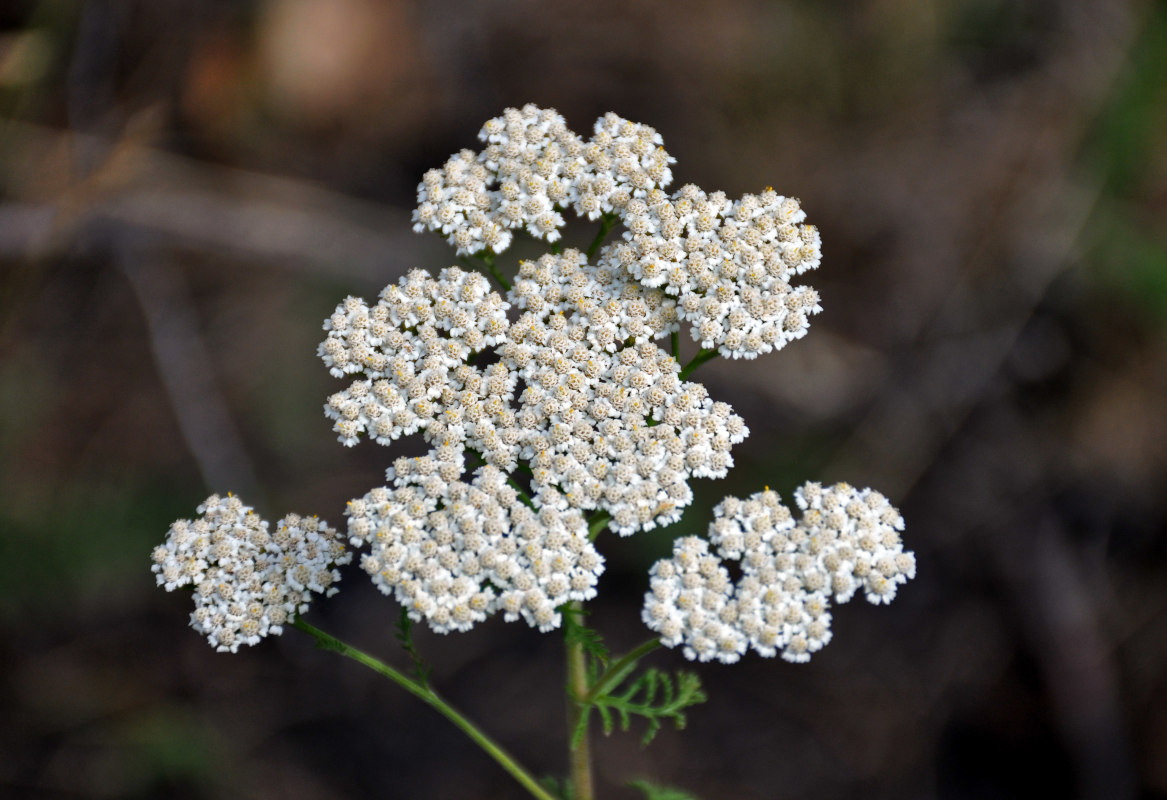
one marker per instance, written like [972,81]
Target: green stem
[523,496]
[618,669]
[702,356]
[328,642]
[577,712]
[675,344]
[597,524]
[526,498]
[606,225]
[488,260]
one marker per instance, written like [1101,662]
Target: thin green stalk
[328,642]
[488,260]
[523,496]
[606,224]
[597,524]
[580,755]
[618,669]
[702,356]
[675,344]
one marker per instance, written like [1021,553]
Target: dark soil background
[187,189]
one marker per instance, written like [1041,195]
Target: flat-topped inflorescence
[412,350]
[248,582]
[532,169]
[728,264]
[454,553]
[607,422]
[846,540]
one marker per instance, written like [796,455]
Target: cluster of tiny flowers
[604,303]
[617,432]
[248,582]
[536,161]
[727,263]
[454,553]
[604,428]
[625,159]
[531,169]
[411,349]
[846,539]
[456,201]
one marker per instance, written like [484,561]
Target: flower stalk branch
[606,224]
[703,355]
[577,713]
[326,641]
[492,268]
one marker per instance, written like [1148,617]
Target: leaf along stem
[619,669]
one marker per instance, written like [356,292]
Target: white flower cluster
[846,540]
[248,582]
[535,161]
[454,553]
[624,160]
[727,263]
[604,422]
[412,348]
[456,201]
[618,432]
[604,303]
[532,168]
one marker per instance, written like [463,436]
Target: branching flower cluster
[560,381]
[553,407]
[845,540]
[724,265]
[727,263]
[248,582]
[532,169]
[453,553]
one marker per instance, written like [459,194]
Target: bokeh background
[188,187]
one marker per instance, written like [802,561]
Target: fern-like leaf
[655,792]
[575,632]
[655,696]
[557,787]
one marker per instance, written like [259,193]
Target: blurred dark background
[187,188]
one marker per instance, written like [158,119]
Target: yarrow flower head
[532,169]
[248,582]
[846,540]
[412,350]
[608,424]
[552,409]
[454,553]
[728,264]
